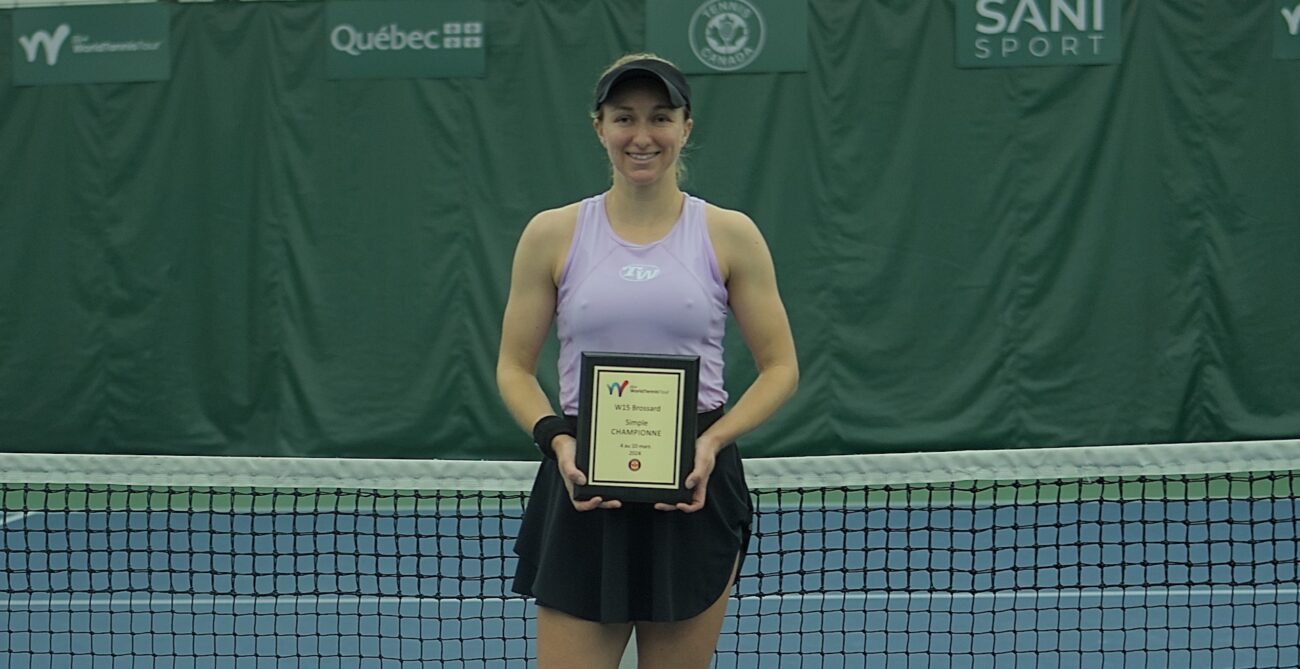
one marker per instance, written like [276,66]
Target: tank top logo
[639,273]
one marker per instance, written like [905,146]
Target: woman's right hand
[566,448]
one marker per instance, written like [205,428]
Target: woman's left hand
[706,454]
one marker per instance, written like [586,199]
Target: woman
[596,567]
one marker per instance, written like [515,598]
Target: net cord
[761,473]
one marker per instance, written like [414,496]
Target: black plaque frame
[686,424]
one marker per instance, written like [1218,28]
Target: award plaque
[637,418]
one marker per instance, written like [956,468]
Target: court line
[15,517]
[312,602]
[1204,592]
[21,601]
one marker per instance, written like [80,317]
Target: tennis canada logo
[617,387]
[638,273]
[727,35]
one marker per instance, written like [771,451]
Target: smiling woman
[642,268]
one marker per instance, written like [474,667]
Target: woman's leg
[683,644]
[565,641]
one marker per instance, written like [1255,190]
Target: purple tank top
[617,297]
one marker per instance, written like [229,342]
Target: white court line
[15,517]
[310,602]
[1081,594]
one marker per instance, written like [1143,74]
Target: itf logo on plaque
[1016,33]
[1286,34]
[84,45]
[713,36]
[405,39]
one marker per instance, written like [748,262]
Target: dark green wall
[252,259]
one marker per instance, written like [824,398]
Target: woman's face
[641,131]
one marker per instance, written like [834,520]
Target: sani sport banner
[712,36]
[408,39]
[81,45]
[1016,33]
[1286,30]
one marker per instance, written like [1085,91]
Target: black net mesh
[1197,570]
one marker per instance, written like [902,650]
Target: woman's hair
[628,58]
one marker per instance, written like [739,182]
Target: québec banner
[405,39]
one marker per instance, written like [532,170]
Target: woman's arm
[747,267]
[529,309]
[756,302]
[527,320]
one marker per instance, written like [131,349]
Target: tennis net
[1152,555]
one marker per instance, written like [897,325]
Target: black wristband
[546,430]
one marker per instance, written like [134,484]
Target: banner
[1016,33]
[1286,33]
[82,45]
[406,39]
[712,36]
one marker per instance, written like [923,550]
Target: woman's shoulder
[553,227]
[729,227]
[549,220]
[727,218]
[733,235]
[549,234]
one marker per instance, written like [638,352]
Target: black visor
[679,92]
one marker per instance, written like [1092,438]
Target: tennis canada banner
[406,39]
[84,45]
[1017,33]
[719,36]
[1286,33]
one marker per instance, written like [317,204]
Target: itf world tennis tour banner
[1286,31]
[1016,33]
[724,36]
[407,39]
[86,45]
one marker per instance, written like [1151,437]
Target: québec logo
[639,273]
[51,42]
[617,387]
[353,41]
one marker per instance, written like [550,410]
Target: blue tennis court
[1068,583]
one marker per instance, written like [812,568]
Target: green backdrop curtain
[253,259]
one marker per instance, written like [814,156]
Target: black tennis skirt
[633,563]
